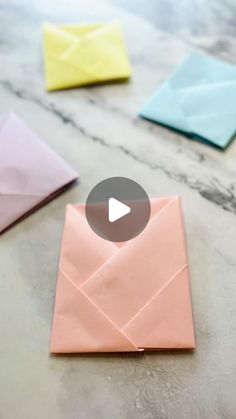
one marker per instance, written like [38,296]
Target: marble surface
[96,129]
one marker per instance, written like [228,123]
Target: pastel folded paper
[198,99]
[30,172]
[132,296]
[82,54]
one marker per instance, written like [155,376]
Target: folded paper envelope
[77,55]
[132,296]
[30,172]
[199,99]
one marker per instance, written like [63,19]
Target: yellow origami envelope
[77,55]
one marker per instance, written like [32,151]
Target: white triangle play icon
[116,210]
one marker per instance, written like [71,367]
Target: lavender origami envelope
[30,172]
[131,296]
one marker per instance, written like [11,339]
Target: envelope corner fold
[157,109]
[79,326]
[166,321]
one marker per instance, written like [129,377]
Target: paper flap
[157,204]
[166,321]
[130,278]
[59,74]
[164,107]
[207,100]
[83,251]
[200,69]
[100,53]
[78,325]
[57,40]
[218,129]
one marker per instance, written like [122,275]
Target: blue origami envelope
[198,99]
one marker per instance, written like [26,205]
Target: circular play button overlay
[118,209]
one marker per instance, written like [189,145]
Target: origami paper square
[130,296]
[30,172]
[77,55]
[198,99]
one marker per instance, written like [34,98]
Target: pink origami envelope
[131,296]
[30,172]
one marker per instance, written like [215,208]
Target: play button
[117,209]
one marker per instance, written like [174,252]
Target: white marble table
[97,131]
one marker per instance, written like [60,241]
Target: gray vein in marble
[214,192]
[194,21]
